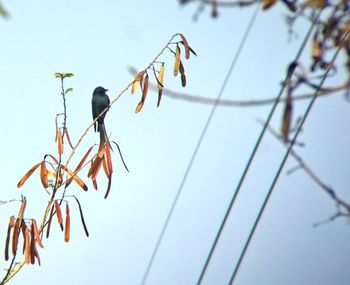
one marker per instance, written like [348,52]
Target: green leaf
[70,89]
[68,74]
[58,75]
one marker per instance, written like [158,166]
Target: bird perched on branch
[100,101]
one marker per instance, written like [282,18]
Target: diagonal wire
[251,158]
[194,154]
[288,151]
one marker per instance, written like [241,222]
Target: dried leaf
[58,214]
[43,175]
[268,3]
[187,47]
[36,233]
[286,121]
[67,226]
[82,217]
[27,175]
[177,61]
[59,142]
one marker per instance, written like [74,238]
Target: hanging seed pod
[67,226]
[177,61]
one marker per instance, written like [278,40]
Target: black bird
[100,101]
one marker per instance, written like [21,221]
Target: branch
[327,189]
[115,99]
[238,103]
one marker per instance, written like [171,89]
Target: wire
[194,154]
[246,169]
[312,101]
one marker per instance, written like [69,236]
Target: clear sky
[98,41]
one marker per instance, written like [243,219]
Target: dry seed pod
[82,217]
[183,76]
[32,245]
[24,229]
[136,82]
[58,214]
[108,186]
[43,175]
[67,226]
[36,233]
[23,208]
[15,237]
[268,3]
[187,47]
[160,83]
[11,224]
[144,94]
[12,221]
[27,175]
[314,4]
[59,142]
[286,121]
[79,166]
[183,80]
[68,138]
[27,255]
[316,48]
[177,60]
[160,77]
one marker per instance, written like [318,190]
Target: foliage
[56,176]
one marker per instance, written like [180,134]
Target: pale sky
[98,41]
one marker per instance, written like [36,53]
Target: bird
[100,101]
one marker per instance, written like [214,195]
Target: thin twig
[301,164]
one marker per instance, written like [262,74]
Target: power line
[312,101]
[194,154]
[247,167]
